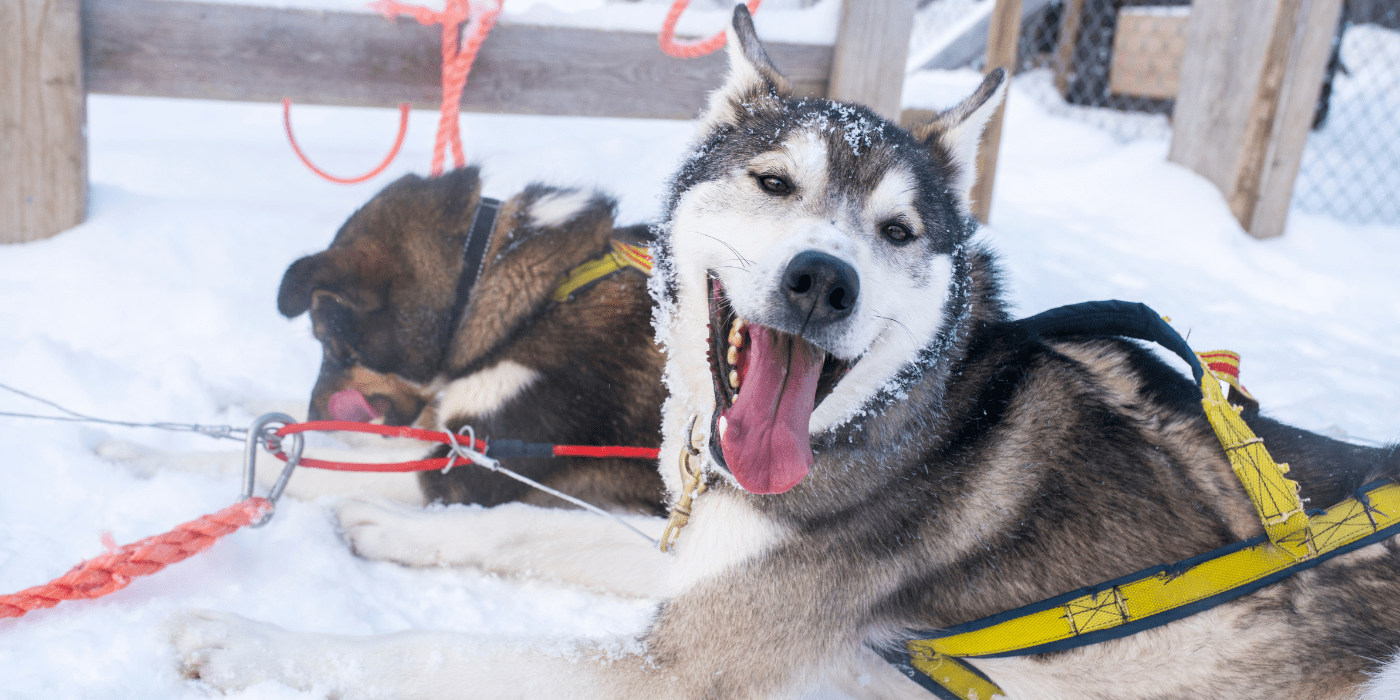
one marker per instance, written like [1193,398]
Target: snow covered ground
[162,307]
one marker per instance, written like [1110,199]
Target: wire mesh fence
[1115,64]
[1112,63]
[1351,164]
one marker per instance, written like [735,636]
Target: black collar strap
[474,256]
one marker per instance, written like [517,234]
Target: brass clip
[692,485]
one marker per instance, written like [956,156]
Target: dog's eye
[773,184]
[896,232]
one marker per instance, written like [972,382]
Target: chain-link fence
[1116,63]
[1351,165]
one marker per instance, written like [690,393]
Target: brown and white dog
[884,453]
[420,327]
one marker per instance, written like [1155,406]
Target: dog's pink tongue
[350,405]
[765,439]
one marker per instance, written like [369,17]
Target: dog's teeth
[732,356]
[734,378]
[736,333]
[723,424]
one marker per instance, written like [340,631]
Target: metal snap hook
[263,430]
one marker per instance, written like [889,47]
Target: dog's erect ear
[752,76]
[958,131]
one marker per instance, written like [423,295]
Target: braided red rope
[403,129]
[690,49]
[112,571]
[456,63]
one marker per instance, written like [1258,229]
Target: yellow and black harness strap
[1295,540]
[1151,597]
[621,257]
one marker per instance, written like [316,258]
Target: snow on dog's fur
[884,453]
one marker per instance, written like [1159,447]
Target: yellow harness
[1294,541]
[621,257]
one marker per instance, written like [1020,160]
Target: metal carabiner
[261,430]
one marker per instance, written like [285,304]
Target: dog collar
[621,257]
[1295,540]
[474,254]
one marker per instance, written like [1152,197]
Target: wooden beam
[43,152]
[872,46]
[1003,37]
[1250,81]
[1070,18]
[228,52]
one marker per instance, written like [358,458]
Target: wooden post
[1069,37]
[1250,81]
[872,46]
[1003,36]
[43,152]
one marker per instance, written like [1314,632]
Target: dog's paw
[385,531]
[229,652]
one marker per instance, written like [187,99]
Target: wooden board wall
[871,50]
[1147,51]
[43,152]
[196,50]
[1250,81]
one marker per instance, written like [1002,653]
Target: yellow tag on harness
[1274,495]
[621,257]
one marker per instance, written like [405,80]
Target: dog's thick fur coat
[957,468]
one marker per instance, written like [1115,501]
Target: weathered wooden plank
[1069,38]
[43,152]
[1002,39]
[1310,49]
[1249,82]
[196,50]
[1147,49]
[872,46]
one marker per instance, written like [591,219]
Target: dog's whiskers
[901,325]
[743,261]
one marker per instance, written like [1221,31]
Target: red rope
[403,129]
[456,63]
[589,451]
[690,49]
[420,465]
[112,571]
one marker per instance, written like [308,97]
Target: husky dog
[409,338]
[885,453]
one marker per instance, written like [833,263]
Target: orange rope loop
[690,49]
[403,129]
[456,61]
[112,571]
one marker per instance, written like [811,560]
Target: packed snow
[161,307]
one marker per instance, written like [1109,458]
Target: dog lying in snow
[420,328]
[883,454]
[413,335]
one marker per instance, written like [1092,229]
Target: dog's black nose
[821,285]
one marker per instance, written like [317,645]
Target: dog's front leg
[229,652]
[514,539]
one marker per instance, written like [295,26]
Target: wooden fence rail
[163,48]
[229,52]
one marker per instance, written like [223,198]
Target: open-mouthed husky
[883,454]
